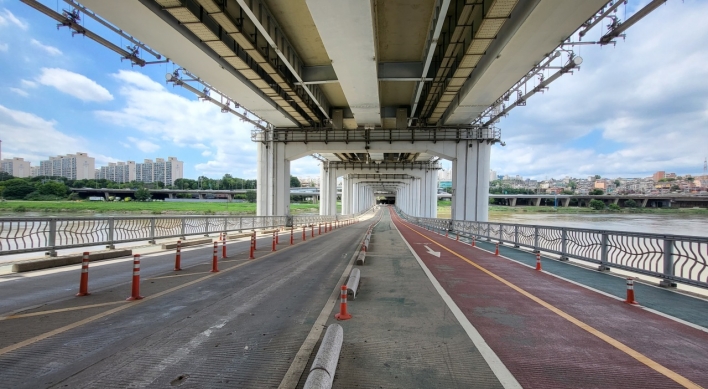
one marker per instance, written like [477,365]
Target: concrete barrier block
[268,232]
[324,366]
[353,282]
[361,258]
[239,235]
[73,259]
[186,243]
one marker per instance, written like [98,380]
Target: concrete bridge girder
[470,174]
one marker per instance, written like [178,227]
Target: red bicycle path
[551,333]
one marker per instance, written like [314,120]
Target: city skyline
[631,110]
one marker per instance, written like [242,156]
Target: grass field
[153,207]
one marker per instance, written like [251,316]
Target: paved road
[240,328]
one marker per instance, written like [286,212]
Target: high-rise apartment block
[120,172]
[161,170]
[77,166]
[17,167]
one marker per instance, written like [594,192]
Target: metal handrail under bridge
[36,234]
[671,258]
[410,134]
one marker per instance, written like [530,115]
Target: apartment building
[77,166]
[161,170]
[17,167]
[120,172]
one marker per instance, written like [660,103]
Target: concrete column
[565,202]
[106,195]
[346,196]
[644,203]
[332,191]
[537,202]
[470,181]
[513,201]
[273,180]
[615,200]
[355,197]
[324,193]
[433,193]
[171,195]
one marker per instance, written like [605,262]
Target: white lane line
[495,364]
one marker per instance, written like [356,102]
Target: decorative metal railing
[23,235]
[672,258]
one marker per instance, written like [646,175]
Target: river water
[695,225]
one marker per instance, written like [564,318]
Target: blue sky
[632,109]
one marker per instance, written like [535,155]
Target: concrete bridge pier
[273,180]
[470,181]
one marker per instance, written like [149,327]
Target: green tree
[53,188]
[294,182]
[617,183]
[251,196]
[614,207]
[142,194]
[597,205]
[573,185]
[4,176]
[596,192]
[597,176]
[630,203]
[675,188]
[16,189]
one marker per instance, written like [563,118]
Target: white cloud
[34,138]
[144,145]
[4,47]
[206,153]
[7,18]
[192,124]
[19,92]
[74,84]
[28,83]
[631,110]
[51,50]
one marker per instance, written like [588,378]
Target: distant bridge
[652,201]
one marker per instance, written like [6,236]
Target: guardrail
[22,235]
[672,258]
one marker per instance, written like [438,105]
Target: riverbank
[444,210]
[133,207]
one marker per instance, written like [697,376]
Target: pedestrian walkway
[402,334]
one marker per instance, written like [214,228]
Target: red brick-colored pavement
[541,348]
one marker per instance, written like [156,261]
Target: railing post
[206,226]
[501,234]
[564,245]
[668,264]
[184,228]
[535,240]
[240,224]
[489,232]
[604,266]
[516,235]
[226,223]
[152,231]
[52,238]
[111,233]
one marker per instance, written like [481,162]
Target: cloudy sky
[632,109]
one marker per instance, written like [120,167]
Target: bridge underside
[376,83]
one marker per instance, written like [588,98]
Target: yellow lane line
[79,323]
[68,327]
[612,341]
[61,310]
[177,275]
